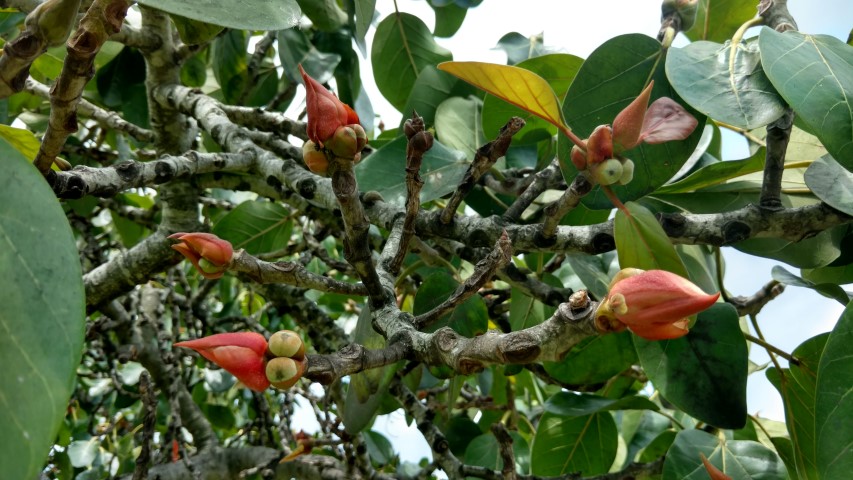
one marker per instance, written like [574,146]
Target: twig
[778,351]
[565,204]
[541,181]
[252,70]
[420,141]
[290,273]
[505,448]
[486,156]
[753,304]
[149,407]
[483,272]
[102,19]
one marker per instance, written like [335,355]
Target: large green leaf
[834,401]
[830,290]
[718,20]
[448,19]
[402,47]
[558,70]
[385,171]
[717,173]
[739,459]
[42,315]
[299,50]
[814,74]
[576,405]
[257,226]
[735,92]
[642,243]
[458,124]
[613,75]
[248,15]
[230,65]
[524,311]
[594,360]
[564,445]
[703,373]
[796,385]
[831,183]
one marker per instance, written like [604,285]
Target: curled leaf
[666,121]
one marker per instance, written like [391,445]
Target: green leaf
[838,275]
[379,447]
[484,451]
[364,10]
[594,360]
[42,318]
[830,290]
[469,319]
[229,64]
[431,88]
[741,460]
[524,311]
[796,385]
[564,445]
[717,173]
[718,20]
[248,15]
[385,172]
[458,124]
[460,431]
[319,65]
[518,86]
[325,15]
[115,78]
[194,32]
[257,226]
[827,179]
[735,92]
[448,19]
[813,252]
[703,373]
[657,447]
[593,271]
[834,401]
[613,76]
[575,405]
[519,48]
[402,47]
[558,70]
[642,243]
[194,72]
[814,74]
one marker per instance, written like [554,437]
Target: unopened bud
[315,159]
[627,172]
[347,141]
[599,145]
[286,343]
[578,158]
[52,20]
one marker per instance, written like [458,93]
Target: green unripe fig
[347,141]
[283,372]
[607,172]
[627,172]
[286,343]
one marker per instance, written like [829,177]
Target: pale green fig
[287,343]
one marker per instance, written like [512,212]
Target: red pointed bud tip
[287,343]
[315,158]
[209,254]
[654,304]
[713,472]
[241,354]
[325,112]
[284,372]
[347,141]
[578,158]
[629,123]
[607,172]
[599,145]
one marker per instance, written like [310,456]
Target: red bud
[599,145]
[325,112]
[241,354]
[209,254]
[629,123]
[713,471]
[654,304]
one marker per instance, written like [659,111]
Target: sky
[579,27]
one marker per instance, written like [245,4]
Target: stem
[770,348]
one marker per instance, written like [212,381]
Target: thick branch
[570,199]
[290,273]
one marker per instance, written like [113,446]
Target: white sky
[579,27]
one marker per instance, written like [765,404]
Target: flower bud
[325,112]
[627,172]
[241,354]
[287,343]
[607,172]
[198,246]
[653,304]
[629,122]
[284,372]
[52,20]
[599,145]
[347,141]
[315,158]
